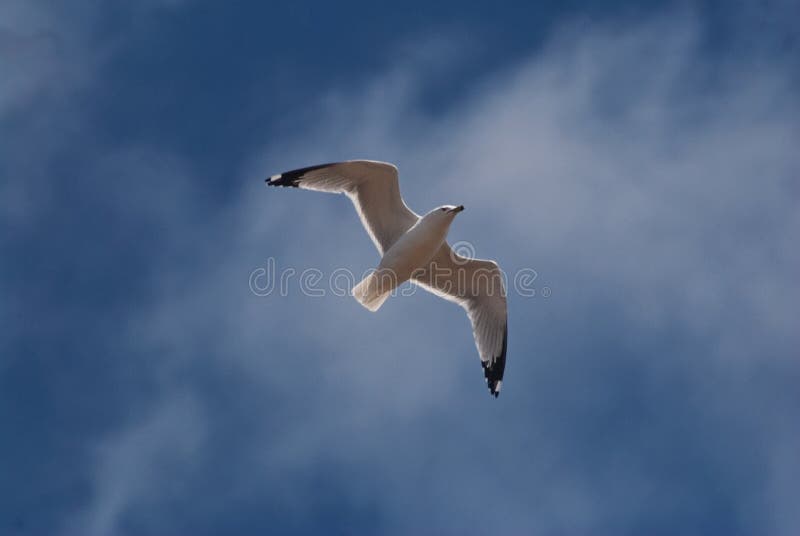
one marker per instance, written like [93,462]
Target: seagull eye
[442,209]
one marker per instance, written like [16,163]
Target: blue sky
[640,157]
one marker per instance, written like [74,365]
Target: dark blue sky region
[640,157]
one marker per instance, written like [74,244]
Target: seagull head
[444,213]
[442,216]
[449,209]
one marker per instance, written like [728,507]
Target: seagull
[414,248]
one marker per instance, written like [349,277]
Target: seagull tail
[373,290]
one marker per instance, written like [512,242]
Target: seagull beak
[458,209]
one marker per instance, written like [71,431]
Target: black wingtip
[493,372]
[292,178]
[282,180]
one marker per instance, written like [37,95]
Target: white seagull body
[415,248]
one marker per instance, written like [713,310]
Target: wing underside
[373,187]
[478,287]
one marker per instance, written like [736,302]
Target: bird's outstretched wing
[477,286]
[373,188]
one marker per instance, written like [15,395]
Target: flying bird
[414,248]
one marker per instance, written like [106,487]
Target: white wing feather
[477,286]
[371,186]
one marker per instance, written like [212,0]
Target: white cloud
[143,465]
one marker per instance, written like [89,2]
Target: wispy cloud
[145,465]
